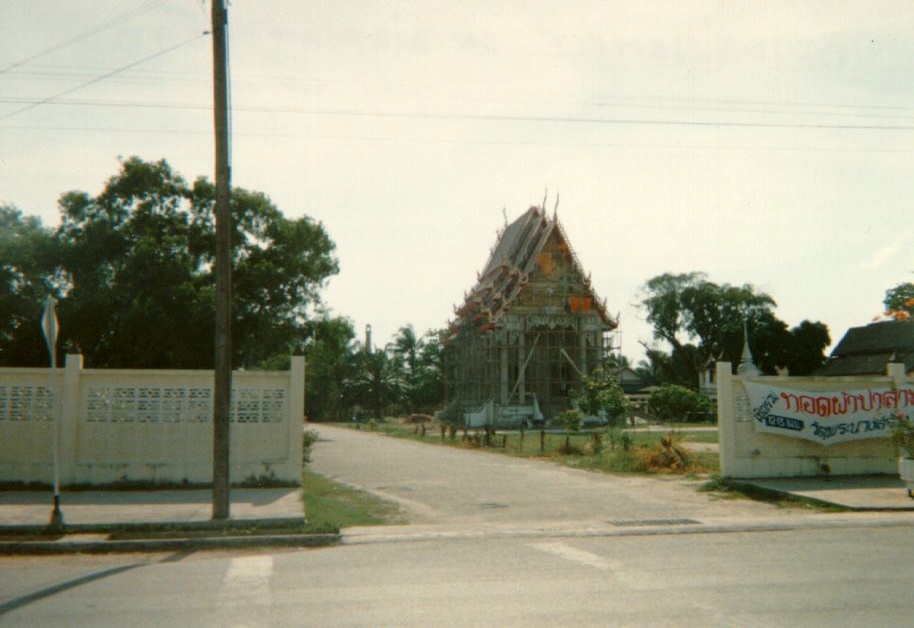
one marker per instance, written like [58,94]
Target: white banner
[828,417]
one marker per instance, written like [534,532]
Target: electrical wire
[124,17]
[484,142]
[453,116]
[260,109]
[103,77]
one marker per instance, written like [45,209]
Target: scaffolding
[529,331]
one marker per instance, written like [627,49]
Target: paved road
[444,485]
[800,570]
[847,577]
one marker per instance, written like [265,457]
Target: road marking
[246,590]
[574,555]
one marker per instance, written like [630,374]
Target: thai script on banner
[828,417]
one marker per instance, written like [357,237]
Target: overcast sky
[769,143]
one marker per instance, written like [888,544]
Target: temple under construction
[527,333]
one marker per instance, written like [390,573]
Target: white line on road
[574,555]
[246,590]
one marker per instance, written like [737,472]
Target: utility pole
[222,386]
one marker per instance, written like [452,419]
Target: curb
[92,544]
[749,486]
[175,527]
[610,531]
[169,536]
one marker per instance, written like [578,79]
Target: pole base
[56,515]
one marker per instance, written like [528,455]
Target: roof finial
[545,196]
[747,367]
[555,210]
[504,212]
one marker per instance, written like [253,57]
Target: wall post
[296,410]
[69,416]
[726,418]
[895,370]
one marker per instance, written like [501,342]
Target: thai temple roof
[513,259]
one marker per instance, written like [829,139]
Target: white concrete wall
[148,426]
[745,453]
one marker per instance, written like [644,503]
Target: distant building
[527,332]
[869,349]
[636,390]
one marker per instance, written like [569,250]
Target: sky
[766,143]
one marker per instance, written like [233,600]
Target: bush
[569,419]
[309,437]
[674,403]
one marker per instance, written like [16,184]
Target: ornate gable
[532,269]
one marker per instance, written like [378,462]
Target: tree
[329,348]
[376,382]
[27,278]
[427,391]
[134,268]
[899,301]
[405,348]
[601,394]
[677,403]
[702,321]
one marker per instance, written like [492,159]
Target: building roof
[512,260]
[631,382]
[869,349]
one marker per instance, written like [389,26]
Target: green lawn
[333,505]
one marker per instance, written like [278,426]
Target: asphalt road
[851,577]
[502,542]
[444,485]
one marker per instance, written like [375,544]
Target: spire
[747,367]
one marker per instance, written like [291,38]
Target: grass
[639,458]
[332,505]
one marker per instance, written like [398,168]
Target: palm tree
[406,347]
[376,384]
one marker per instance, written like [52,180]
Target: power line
[581,99]
[485,142]
[451,116]
[255,109]
[103,77]
[149,6]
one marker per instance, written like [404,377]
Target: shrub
[902,434]
[418,418]
[672,402]
[570,420]
[309,437]
[666,457]
[602,395]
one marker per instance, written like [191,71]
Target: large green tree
[134,267]
[329,350]
[27,278]
[701,321]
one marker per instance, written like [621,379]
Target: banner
[828,417]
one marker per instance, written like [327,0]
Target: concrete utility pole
[222,388]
